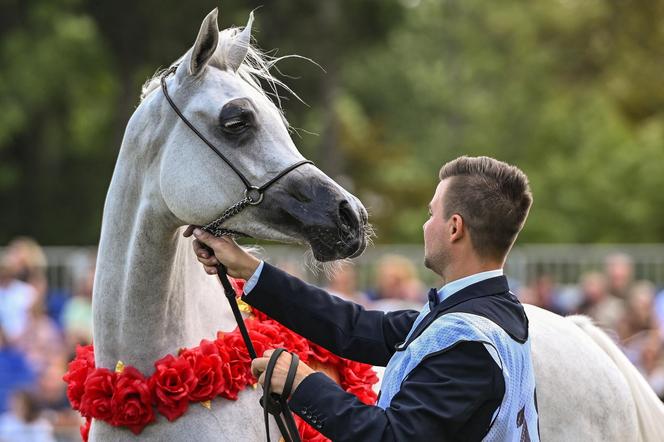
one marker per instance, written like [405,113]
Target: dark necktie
[433,298]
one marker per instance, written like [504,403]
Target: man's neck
[468,267]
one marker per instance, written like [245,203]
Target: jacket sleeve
[450,396]
[343,327]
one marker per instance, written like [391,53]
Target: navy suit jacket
[450,395]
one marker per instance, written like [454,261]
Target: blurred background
[571,91]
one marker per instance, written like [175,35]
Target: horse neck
[150,297]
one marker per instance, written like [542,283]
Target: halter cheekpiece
[253,195]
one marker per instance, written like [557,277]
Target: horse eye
[234,119]
[235,125]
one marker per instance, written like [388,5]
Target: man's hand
[280,372]
[225,250]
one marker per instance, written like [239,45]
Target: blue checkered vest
[516,418]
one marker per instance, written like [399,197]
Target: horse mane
[255,69]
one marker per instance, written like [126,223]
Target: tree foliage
[570,91]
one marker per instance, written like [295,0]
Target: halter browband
[253,195]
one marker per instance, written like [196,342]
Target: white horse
[151,297]
[587,390]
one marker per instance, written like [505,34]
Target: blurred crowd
[39,329]
[40,326]
[630,310]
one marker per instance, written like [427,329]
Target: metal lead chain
[215,226]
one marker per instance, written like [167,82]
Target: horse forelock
[255,70]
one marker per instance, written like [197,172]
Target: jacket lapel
[488,287]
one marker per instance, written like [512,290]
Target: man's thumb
[202,235]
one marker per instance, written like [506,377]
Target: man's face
[435,232]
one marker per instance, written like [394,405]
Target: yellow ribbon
[243,306]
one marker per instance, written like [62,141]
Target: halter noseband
[253,195]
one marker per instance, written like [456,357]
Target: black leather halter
[253,195]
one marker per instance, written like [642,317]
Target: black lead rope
[272,403]
[276,404]
[230,295]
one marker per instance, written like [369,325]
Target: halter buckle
[254,195]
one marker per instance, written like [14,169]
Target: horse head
[216,85]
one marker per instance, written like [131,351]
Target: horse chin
[361,248]
[324,252]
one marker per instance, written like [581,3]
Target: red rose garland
[132,401]
[171,384]
[214,368]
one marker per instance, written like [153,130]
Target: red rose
[96,401]
[85,429]
[295,343]
[78,373]
[132,401]
[171,384]
[236,372]
[207,366]
[228,390]
[259,315]
[325,356]
[358,378]
[264,336]
[238,285]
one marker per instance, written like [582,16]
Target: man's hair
[492,197]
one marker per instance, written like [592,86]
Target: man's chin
[432,265]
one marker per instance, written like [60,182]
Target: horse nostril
[348,224]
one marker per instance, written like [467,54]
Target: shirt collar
[453,287]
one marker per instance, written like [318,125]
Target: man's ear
[457,228]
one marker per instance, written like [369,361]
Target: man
[460,369]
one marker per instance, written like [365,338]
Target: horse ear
[240,46]
[206,43]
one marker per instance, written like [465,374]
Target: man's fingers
[218,244]
[203,236]
[188,231]
[212,251]
[258,366]
[200,249]
[210,270]
[212,261]
[204,255]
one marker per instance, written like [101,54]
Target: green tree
[55,94]
[541,85]
[570,91]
